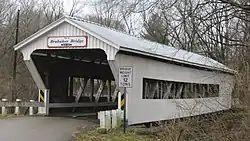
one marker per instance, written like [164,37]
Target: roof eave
[39,33]
[231,71]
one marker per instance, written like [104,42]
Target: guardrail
[85,104]
[42,106]
[5,104]
[22,104]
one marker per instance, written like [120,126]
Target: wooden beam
[161,90]
[109,91]
[208,90]
[185,90]
[71,86]
[203,90]
[199,90]
[179,91]
[100,90]
[164,88]
[35,74]
[81,90]
[167,93]
[115,94]
[158,90]
[85,104]
[153,90]
[145,95]
[190,90]
[74,68]
[174,91]
[195,91]
[92,89]
[192,95]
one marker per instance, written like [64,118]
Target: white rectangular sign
[67,41]
[125,77]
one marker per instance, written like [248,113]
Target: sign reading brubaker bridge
[67,41]
[125,77]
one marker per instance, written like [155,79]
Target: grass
[114,135]
[228,126]
[8,116]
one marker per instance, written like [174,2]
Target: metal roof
[142,46]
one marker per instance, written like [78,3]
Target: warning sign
[125,77]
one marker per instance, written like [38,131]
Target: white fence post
[44,97]
[110,119]
[31,109]
[40,99]
[4,110]
[119,117]
[46,102]
[119,100]
[107,119]
[17,108]
[102,118]
[114,118]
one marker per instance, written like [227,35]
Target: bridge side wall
[146,110]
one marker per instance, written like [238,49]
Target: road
[39,128]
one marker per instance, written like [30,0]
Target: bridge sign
[125,77]
[67,41]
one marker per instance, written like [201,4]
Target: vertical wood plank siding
[66,29]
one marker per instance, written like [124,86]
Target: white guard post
[4,110]
[119,111]
[31,109]
[119,100]
[112,118]
[44,97]
[108,120]
[101,117]
[17,108]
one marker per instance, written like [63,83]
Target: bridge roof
[129,43]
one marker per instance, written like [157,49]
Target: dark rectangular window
[161,89]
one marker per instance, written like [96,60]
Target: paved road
[39,128]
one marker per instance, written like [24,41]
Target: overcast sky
[88,9]
[69,3]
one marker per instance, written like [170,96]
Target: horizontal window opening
[162,89]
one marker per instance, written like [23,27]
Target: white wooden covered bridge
[168,83]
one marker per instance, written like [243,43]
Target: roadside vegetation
[115,135]
[232,125]
[8,116]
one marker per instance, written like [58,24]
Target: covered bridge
[167,83]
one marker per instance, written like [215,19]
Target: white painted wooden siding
[146,110]
[66,29]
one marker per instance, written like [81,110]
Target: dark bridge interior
[76,76]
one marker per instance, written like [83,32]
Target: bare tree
[106,22]
[33,16]
[156,29]
[50,10]
[242,4]
[77,8]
